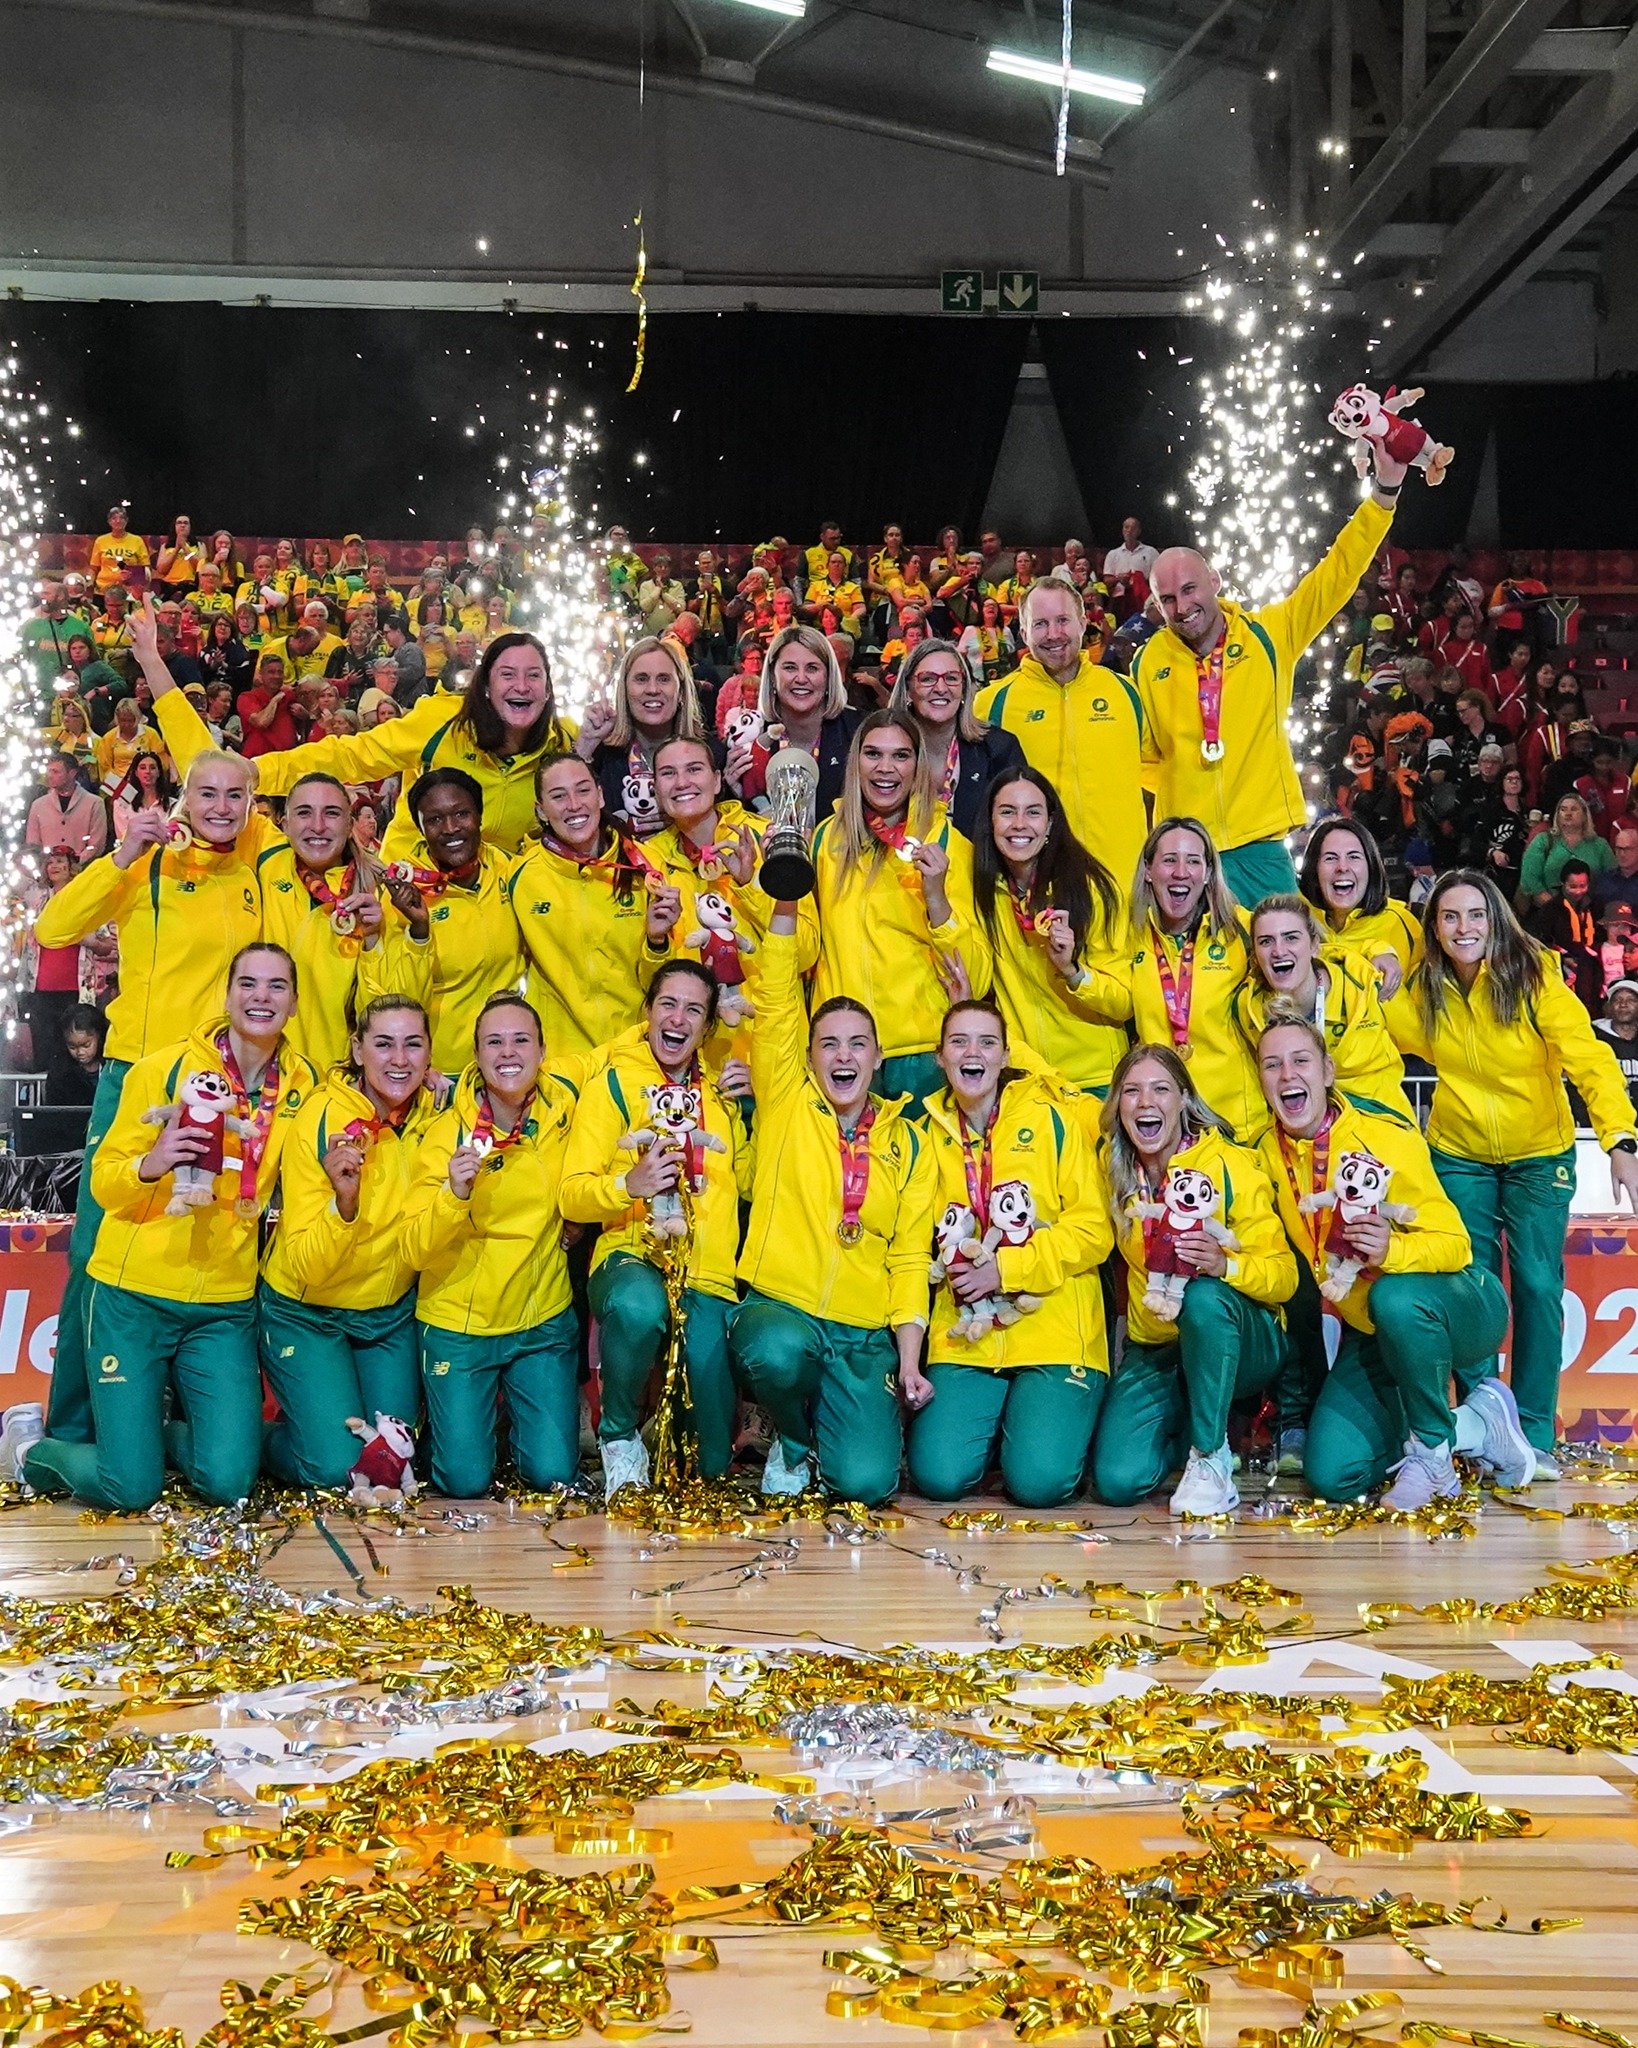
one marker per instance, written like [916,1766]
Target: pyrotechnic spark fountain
[27,437]
[1264,481]
[560,600]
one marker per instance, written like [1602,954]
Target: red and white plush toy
[203,1104]
[1372,422]
[1188,1208]
[385,1469]
[1359,1188]
[720,942]
[958,1238]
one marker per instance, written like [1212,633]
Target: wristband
[1627,1145]
[1383,490]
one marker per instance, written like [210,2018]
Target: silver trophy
[787,866]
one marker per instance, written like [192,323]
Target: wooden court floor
[86,1896]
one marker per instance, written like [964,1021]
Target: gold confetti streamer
[639,291]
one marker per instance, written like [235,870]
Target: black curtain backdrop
[274,420]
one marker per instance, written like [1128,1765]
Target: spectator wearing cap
[1577,760]
[1569,925]
[1606,785]
[350,569]
[1618,950]
[1619,1028]
[1620,883]
[1571,837]
[1440,802]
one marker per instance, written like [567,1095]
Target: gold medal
[1184,1052]
[1211,752]
[849,1233]
[179,835]
[343,922]
[246,1206]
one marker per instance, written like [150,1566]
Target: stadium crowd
[1041,1136]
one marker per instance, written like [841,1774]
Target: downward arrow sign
[1016,290]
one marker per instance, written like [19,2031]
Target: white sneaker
[21,1427]
[1207,1487]
[1293,1444]
[778,1477]
[1426,1472]
[1506,1450]
[1545,1467]
[625,1463]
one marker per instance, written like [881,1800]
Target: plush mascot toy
[203,1104]
[1188,1207]
[1372,422]
[720,942]
[1359,1188]
[384,1471]
[676,1112]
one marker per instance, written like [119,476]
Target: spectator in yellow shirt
[210,596]
[839,592]
[117,550]
[176,567]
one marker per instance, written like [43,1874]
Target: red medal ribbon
[484,1134]
[855,1151]
[1208,674]
[1316,1234]
[1176,992]
[319,889]
[260,1114]
[1021,911]
[980,1172]
[431,882]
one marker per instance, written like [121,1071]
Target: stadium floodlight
[1042,71]
[794,8]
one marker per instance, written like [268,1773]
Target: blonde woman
[1189,960]
[897,929]
[653,700]
[1573,837]
[803,703]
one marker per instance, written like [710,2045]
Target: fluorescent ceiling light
[794,8]
[1044,72]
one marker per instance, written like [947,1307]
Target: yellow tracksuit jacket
[181,917]
[613,1102]
[1395,928]
[1252,792]
[1501,1086]
[493,1264]
[475,952]
[316,1255]
[1263,1269]
[1367,1061]
[1221,1066]
[1036,1141]
[1080,1033]
[429,735]
[876,945]
[209,1255]
[792,1253]
[588,960]
[335,976]
[1088,738]
[1435,1242]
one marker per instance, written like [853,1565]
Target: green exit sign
[961,291]
[1011,291]
[1018,291]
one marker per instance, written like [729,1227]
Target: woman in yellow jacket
[710,897]
[1190,957]
[498,733]
[181,913]
[320,893]
[1208,1268]
[1381,1239]
[582,893]
[1018,1351]
[1489,1011]
[1292,965]
[1344,879]
[836,1254]
[483,1228]
[897,928]
[171,1305]
[1058,935]
[462,895]
[336,1308]
[649,1116]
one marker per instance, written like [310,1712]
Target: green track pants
[1165,1398]
[1044,1416]
[1525,1206]
[462,1379]
[828,1387]
[326,1364]
[1430,1328]
[1260,868]
[68,1410]
[627,1297]
[204,1351]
